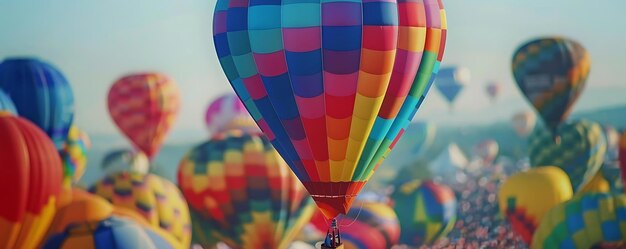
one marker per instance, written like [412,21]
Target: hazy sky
[95,42]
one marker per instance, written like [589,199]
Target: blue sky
[95,42]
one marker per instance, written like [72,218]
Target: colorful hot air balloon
[493,89]
[426,210]
[154,198]
[526,197]
[370,225]
[451,80]
[243,191]
[125,160]
[30,182]
[583,222]
[332,84]
[6,104]
[487,150]
[113,232]
[41,94]
[144,107]
[524,123]
[227,112]
[580,152]
[551,73]
[74,155]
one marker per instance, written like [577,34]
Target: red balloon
[622,156]
[30,182]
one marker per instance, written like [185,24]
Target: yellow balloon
[598,184]
[527,196]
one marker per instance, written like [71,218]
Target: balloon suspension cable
[356,217]
[333,238]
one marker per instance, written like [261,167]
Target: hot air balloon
[30,182]
[583,222]
[333,85]
[426,210]
[6,104]
[74,155]
[612,141]
[526,197]
[243,192]
[551,73]
[493,90]
[144,107]
[622,155]
[112,232]
[487,150]
[524,123]
[156,199]
[451,80]
[125,160]
[370,225]
[41,94]
[227,112]
[580,152]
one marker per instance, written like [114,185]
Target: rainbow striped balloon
[426,210]
[332,83]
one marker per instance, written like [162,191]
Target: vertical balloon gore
[333,84]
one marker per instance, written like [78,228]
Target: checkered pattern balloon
[333,83]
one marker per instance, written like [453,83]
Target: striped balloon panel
[112,232]
[144,107]
[243,192]
[580,152]
[154,198]
[583,222]
[427,212]
[326,80]
[551,73]
[41,94]
[371,225]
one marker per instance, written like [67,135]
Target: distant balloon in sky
[227,112]
[30,182]
[493,90]
[551,73]
[451,80]
[6,104]
[41,94]
[74,155]
[144,106]
[332,84]
[524,123]
[125,160]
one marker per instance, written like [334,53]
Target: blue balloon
[41,94]
[6,104]
[451,80]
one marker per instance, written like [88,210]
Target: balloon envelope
[74,155]
[370,225]
[493,89]
[551,73]
[30,182]
[125,160]
[227,112]
[243,192]
[144,107]
[331,104]
[41,94]
[451,80]
[6,104]
[524,123]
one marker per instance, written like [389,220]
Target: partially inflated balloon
[154,198]
[30,182]
[524,123]
[426,210]
[487,150]
[551,73]
[41,94]
[527,196]
[493,90]
[451,80]
[370,225]
[332,84]
[583,222]
[144,107]
[227,112]
[74,155]
[580,152]
[244,192]
[125,160]
[112,232]
[6,104]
